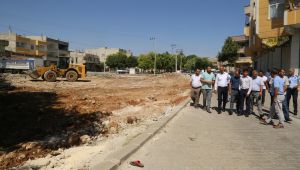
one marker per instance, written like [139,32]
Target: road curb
[114,160]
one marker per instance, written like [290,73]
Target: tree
[229,51]
[131,62]
[146,61]
[190,64]
[165,62]
[194,62]
[116,60]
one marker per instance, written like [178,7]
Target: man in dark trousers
[234,91]
[245,90]
[221,86]
[292,91]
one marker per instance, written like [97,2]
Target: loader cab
[63,62]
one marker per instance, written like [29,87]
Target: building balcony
[247,10]
[292,16]
[247,31]
[241,50]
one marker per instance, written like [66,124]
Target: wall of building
[274,58]
[268,27]
[102,53]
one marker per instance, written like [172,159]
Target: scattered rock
[57,152]
[113,127]
[21,156]
[85,139]
[73,140]
[131,119]
[29,145]
[106,113]
[152,98]
[106,124]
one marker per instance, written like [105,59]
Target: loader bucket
[33,74]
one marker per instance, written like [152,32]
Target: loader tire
[43,77]
[50,76]
[72,76]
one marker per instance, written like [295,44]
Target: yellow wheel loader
[69,71]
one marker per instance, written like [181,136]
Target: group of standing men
[246,92]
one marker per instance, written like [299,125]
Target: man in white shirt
[256,93]
[245,90]
[221,86]
[265,86]
[195,88]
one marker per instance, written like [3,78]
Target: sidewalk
[199,140]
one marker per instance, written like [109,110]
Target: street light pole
[179,51]
[153,39]
[173,46]
[105,48]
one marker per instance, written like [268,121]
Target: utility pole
[179,51]
[105,48]
[173,46]
[153,39]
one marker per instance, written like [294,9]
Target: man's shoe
[278,126]
[192,104]
[261,117]
[204,108]
[247,115]
[264,122]
[295,113]
[230,112]
[219,111]
[208,110]
[223,110]
[288,120]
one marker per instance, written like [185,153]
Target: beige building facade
[103,52]
[91,61]
[273,27]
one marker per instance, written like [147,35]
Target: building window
[247,21]
[21,44]
[32,47]
[276,9]
[76,60]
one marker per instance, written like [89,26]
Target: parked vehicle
[16,66]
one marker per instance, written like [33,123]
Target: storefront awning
[275,41]
[244,60]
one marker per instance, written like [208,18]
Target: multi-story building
[55,49]
[91,61]
[273,27]
[103,52]
[23,48]
[244,60]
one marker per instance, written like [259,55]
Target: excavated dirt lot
[40,118]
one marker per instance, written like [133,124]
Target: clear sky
[196,26]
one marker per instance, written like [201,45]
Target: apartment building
[103,52]
[23,48]
[244,60]
[55,49]
[91,61]
[273,27]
